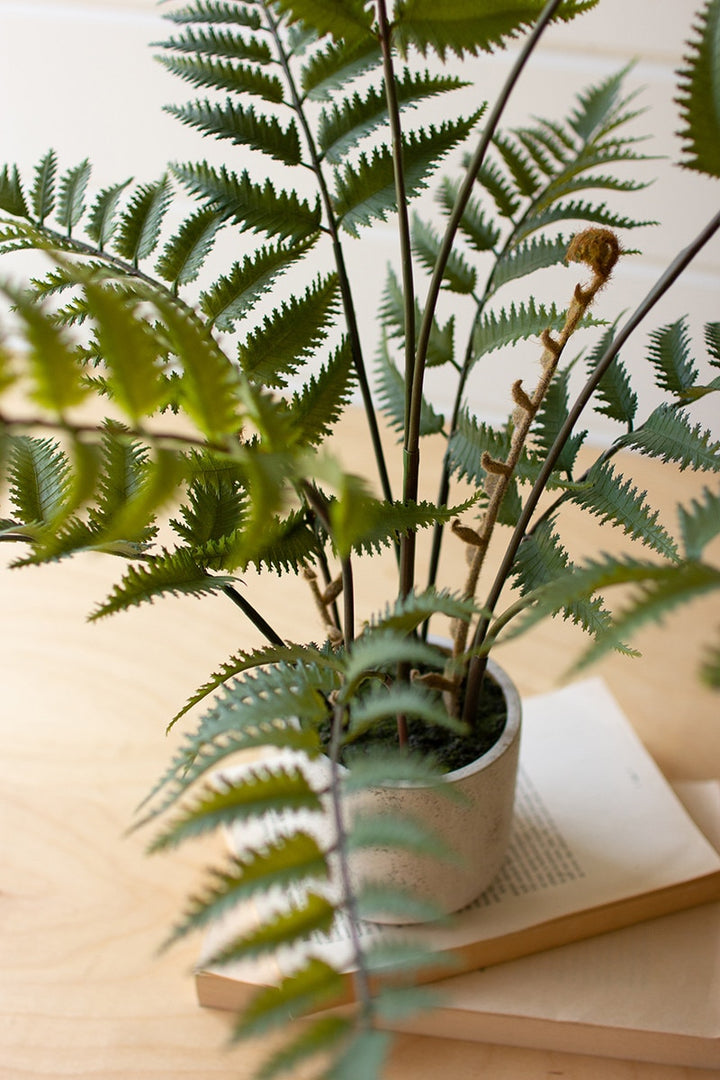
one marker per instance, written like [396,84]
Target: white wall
[79,75]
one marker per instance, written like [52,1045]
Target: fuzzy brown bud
[599,248]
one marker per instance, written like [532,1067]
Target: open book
[600,841]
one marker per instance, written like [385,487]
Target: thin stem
[343,278]
[477,666]
[317,502]
[253,615]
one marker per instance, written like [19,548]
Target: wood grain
[83,911]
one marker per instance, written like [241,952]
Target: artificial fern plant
[220,390]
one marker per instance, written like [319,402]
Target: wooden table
[83,909]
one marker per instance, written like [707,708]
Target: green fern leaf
[380,649]
[102,220]
[458,276]
[391,396]
[348,20]
[71,196]
[243,127]
[38,478]
[366,190]
[343,125]
[172,573]
[549,420]
[12,197]
[491,178]
[615,395]
[140,224]
[42,195]
[508,326]
[288,544]
[217,11]
[480,234]
[462,27]
[380,704]
[336,65]
[233,295]
[161,476]
[214,509]
[316,1037]
[282,863]
[130,349]
[288,337]
[226,75]
[577,210]
[472,439]
[391,520]
[392,313]
[667,434]
[251,206]
[521,169]
[527,257]
[700,523]
[599,109]
[257,792]
[542,561]
[319,405]
[306,990]
[56,369]
[122,475]
[605,495]
[669,353]
[185,253]
[699,94]
[220,44]
[712,342]
[312,914]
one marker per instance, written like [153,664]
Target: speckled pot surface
[476,828]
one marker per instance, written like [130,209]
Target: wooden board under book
[600,842]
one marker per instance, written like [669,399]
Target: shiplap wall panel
[80,76]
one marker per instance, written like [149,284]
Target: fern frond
[102,219]
[214,508]
[344,124]
[305,656]
[712,342]
[287,545]
[39,479]
[365,190]
[140,223]
[471,439]
[173,573]
[287,338]
[458,275]
[496,184]
[463,28]
[123,472]
[381,703]
[12,196]
[669,353]
[392,520]
[615,395]
[42,194]
[517,323]
[480,234]
[577,210]
[71,196]
[220,44]
[600,108]
[243,127]
[217,11]
[316,1037]
[56,369]
[251,206]
[549,420]
[380,650]
[336,64]
[306,990]
[520,167]
[185,252]
[226,75]
[699,94]
[318,406]
[233,294]
[668,434]
[605,495]
[312,914]
[542,561]
[390,387]
[260,791]
[527,257]
[349,20]
[699,523]
[392,314]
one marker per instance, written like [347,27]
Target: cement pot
[476,828]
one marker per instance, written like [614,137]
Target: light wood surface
[84,992]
